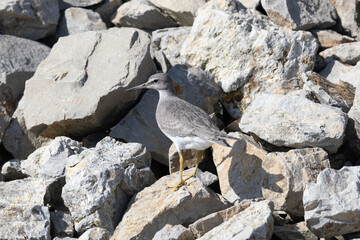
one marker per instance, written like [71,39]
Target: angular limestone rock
[100,181]
[107,61]
[78,20]
[19,59]
[330,38]
[297,231]
[177,232]
[337,72]
[287,173]
[348,12]
[95,234]
[239,168]
[255,222]
[29,18]
[183,12]
[197,87]
[247,51]
[301,15]
[154,207]
[61,224]
[348,53]
[332,204]
[294,121]
[141,14]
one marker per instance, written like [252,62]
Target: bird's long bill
[144,85]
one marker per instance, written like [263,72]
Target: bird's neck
[164,94]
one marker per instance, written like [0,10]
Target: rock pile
[82,158]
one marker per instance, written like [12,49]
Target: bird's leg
[181,182]
[198,160]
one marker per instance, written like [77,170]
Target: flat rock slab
[95,233]
[107,61]
[30,19]
[239,168]
[256,222]
[332,204]
[19,59]
[177,232]
[338,72]
[143,15]
[275,54]
[101,180]
[286,175]
[154,207]
[300,15]
[348,53]
[330,38]
[294,121]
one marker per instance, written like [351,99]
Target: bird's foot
[178,185]
[189,176]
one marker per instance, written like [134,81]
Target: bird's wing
[194,121]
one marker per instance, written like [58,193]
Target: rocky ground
[81,158]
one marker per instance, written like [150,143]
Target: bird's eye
[155,81]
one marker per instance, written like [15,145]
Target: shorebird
[186,125]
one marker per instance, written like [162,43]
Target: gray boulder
[332,204]
[300,15]
[78,20]
[348,53]
[348,14]
[101,180]
[29,18]
[338,72]
[108,61]
[177,232]
[95,233]
[107,9]
[294,121]
[141,14]
[183,12]
[61,224]
[19,59]
[330,38]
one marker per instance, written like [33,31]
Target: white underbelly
[189,142]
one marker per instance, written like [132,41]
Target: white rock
[100,181]
[141,14]
[300,15]
[95,234]
[154,207]
[330,38]
[332,204]
[177,232]
[78,20]
[286,175]
[183,11]
[294,121]
[245,50]
[348,53]
[336,72]
[107,61]
[251,4]
[29,18]
[256,222]
[355,109]
[348,14]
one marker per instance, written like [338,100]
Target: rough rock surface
[337,72]
[286,175]
[177,232]
[19,59]
[332,204]
[348,53]
[255,222]
[96,233]
[61,224]
[7,107]
[251,4]
[78,20]
[139,125]
[355,109]
[154,207]
[273,55]
[300,15]
[239,168]
[330,38]
[73,67]
[294,121]
[100,181]
[30,19]
[166,46]
[297,231]
[77,3]
[183,12]
[141,14]
[348,12]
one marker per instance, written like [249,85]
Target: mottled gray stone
[78,20]
[29,18]
[95,234]
[294,121]
[141,14]
[332,204]
[330,38]
[19,59]
[348,12]
[109,175]
[348,53]
[77,65]
[300,15]
[170,232]
[337,72]
[11,170]
[61,224]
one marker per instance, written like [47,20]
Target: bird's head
[158,81]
